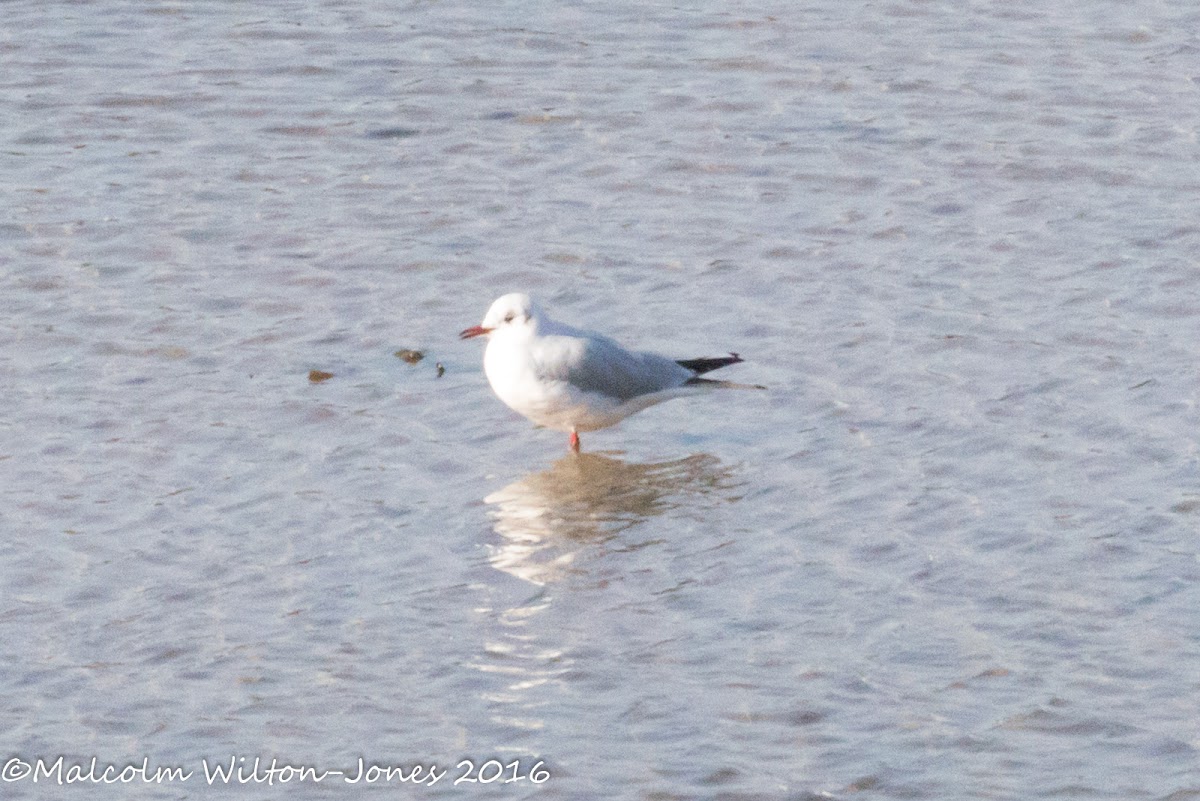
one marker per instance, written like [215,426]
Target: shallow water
[950,554]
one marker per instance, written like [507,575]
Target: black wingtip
[706,365]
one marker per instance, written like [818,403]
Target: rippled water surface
[950,554]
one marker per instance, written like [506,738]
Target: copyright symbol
[15,769]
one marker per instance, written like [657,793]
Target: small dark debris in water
[865,783]
[1144,383]
[410,356]
[393,133]
[993,673]
[501,116]
[441,371]
[317,376]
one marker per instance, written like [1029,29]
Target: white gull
[573,380]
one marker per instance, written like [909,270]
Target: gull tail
[709,383]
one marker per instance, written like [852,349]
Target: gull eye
[508,318]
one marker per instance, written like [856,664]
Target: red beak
[474,331]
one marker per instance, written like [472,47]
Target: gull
[573,380]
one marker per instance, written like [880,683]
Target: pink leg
[574,442]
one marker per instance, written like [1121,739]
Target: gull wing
[597,364]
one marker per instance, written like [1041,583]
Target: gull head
[515,313]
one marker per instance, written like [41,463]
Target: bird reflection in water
[547,519]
